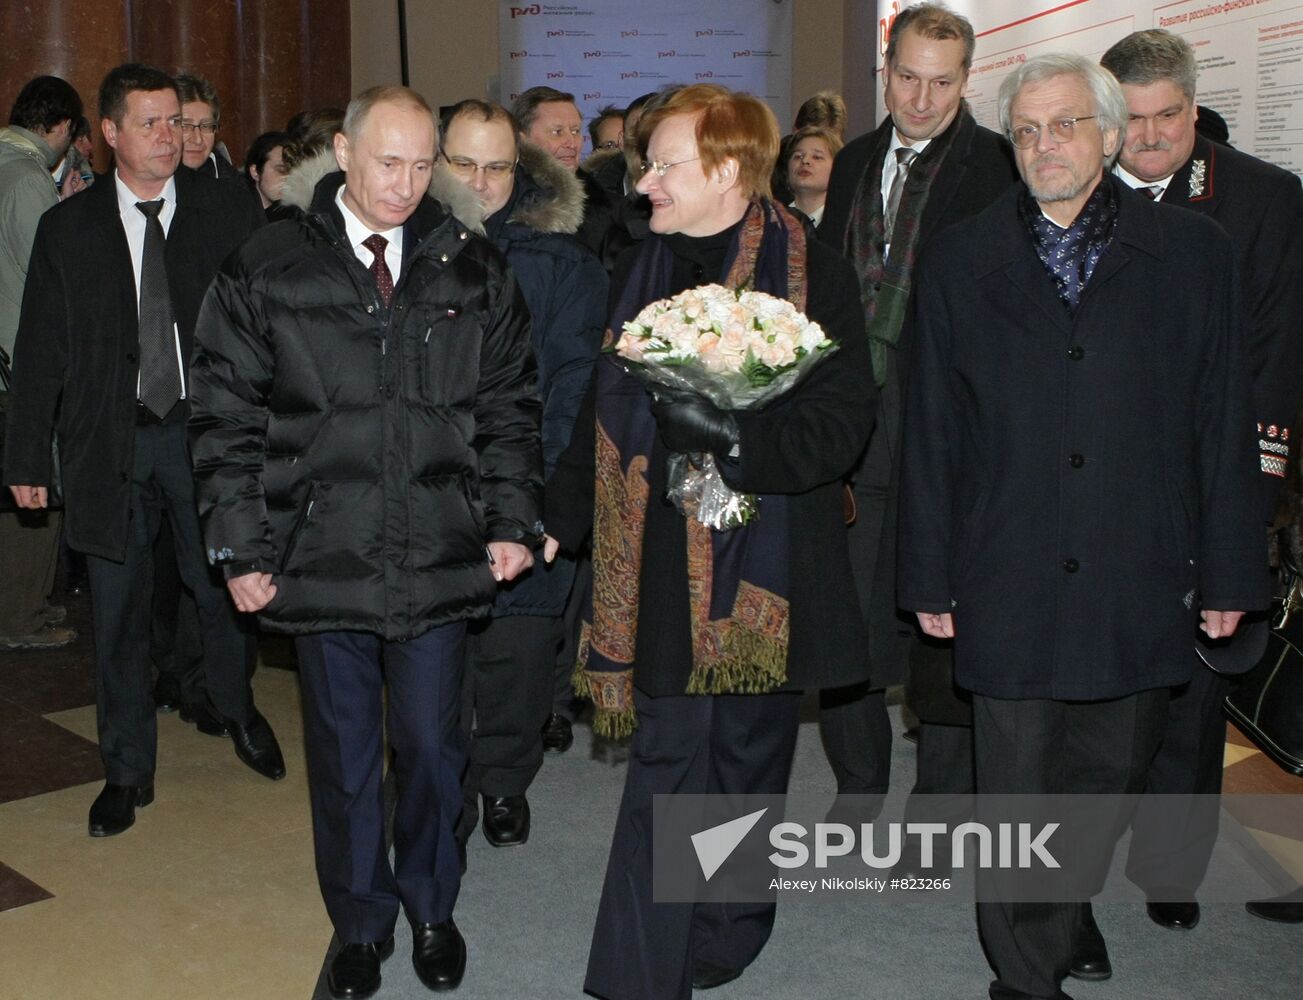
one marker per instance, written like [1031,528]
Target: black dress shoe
[506,819]
[706,976]
[256,746]
[1090,956]
[439,955]
[114,809]
[1286,909]
[1181,915]
[558,734]
[355,972]
[204,719]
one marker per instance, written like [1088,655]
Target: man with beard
[1261,208]
[1079,492]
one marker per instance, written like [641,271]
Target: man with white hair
[1079,485]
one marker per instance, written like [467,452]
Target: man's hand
[1220,624]
[691,423]
[251,592]
[550,548]
[30,497]
[72,183]
[937,626]
[508,560]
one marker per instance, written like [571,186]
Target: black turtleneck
[699,260]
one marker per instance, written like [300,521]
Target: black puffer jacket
[364,455]
[565,288]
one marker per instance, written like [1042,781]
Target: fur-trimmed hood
[555,205]
[302,180]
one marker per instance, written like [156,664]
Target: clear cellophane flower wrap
[737,348]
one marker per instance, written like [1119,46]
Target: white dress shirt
[133,225]
[1132,181]
[358,233]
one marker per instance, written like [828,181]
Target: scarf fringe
[748,664]
[612,722]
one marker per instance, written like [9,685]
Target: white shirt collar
[358,233]
[918,145]
[127,198]
[1132,181]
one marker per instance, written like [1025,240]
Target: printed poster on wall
[1250,55]
[611,52]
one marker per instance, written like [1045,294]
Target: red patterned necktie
[379,269]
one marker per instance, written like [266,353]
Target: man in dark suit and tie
[926,167]
[113,290]
[1260,206]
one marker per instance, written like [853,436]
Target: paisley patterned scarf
[1070,255]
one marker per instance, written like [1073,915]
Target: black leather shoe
[204,719]
[439,955]
[256,746]
[1182,915]
[355,972]
[114,809]
[167,694]
[1286,909]
[1090,956]
[506,819]
[706,976]
[558,734]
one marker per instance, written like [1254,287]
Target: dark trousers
[162,484]
[853,721]
[505,698]
[564,700]
[342,676]
[174,644]
[687,744]
[29,551]
[1188,763]
[1039,746]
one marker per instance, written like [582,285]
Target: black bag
[1267,702]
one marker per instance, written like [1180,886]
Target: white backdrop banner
[611,51]
[1250,55]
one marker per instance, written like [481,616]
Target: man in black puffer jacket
[530,206]
[366,447]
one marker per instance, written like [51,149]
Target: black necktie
[160,374]
[379,269]
[1150,192]
[904,157]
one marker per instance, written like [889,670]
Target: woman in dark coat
[701,641]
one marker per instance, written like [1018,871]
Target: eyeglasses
[661,168]
[1061,131]
[206,127]
[467,168]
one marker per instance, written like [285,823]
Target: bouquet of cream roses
[740,349]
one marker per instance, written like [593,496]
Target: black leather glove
[691,423]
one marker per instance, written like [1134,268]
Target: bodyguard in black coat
[1260,206]
[961,168]
[85,353]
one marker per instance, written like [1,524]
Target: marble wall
[267,58]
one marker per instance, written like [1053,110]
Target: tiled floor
[220,856]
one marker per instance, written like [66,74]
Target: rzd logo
[522,54]
[526,11]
